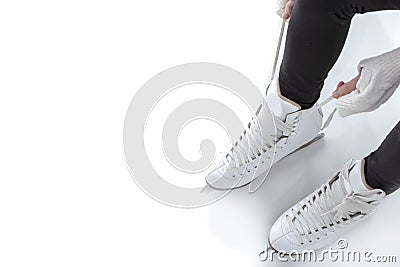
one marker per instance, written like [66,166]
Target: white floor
[69,72]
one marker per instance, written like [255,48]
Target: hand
[285,8]
[377,80]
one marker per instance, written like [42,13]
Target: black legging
[316,35]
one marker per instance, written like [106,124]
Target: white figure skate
[326,214]
[279,129]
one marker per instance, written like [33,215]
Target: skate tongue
[266,120]
[342,188]
[278,104]
[356,177]
[354,182]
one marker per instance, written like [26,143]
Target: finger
[335,93]
[345,88]
[288,10]
[340,84]
[286,14]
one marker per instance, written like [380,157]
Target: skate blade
[207,189]
[318,137]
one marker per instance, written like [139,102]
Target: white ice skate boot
[277,132]
[327,213]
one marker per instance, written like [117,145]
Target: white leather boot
[326,214]
[280,128]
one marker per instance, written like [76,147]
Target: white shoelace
[326,209]
[254,141]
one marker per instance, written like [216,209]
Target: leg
[382,168]
[316,36]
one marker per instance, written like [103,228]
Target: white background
[68,71]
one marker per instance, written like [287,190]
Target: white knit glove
[380,76]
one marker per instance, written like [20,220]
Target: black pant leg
[382,167]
